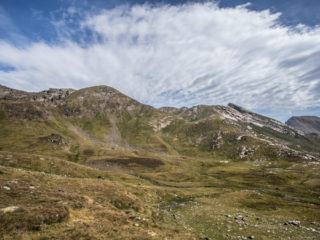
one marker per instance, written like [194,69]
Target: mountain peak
[239,108]
[307,124]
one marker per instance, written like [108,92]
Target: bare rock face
[245,151]
[51,95]
[307,124]
[237,113]
[217,141]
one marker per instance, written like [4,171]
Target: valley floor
[170,197]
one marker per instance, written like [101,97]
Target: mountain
[96,164]
[307,124]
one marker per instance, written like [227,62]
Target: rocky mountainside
[51,95]
[307,124]
[96,164]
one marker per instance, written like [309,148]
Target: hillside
[96,164]
[307,124]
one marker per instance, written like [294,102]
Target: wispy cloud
[178,55]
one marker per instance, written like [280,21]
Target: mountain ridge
[97,159]
[121,114]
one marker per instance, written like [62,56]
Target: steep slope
[307,124]
[89,118]
[247,116]
[230,130]
[96,164]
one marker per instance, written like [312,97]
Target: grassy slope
[186,198]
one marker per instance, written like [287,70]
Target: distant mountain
[307,124]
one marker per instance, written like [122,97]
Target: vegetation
[99,165]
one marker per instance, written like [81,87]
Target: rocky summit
[96,164]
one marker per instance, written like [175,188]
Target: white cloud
[179,55]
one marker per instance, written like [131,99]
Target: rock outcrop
[54,138]
[51,95]
[237,113]
[193,113]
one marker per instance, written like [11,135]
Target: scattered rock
[239,217]
[245,151]
[54,138]
[290,153]
[239,138]
[6,188]
[152,234]
[9,209]
[13,181]
[216,141]
[224,161]
[293,223]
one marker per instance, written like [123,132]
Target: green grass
[187,196]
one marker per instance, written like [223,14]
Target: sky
[262,55]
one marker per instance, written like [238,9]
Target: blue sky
[263,55]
